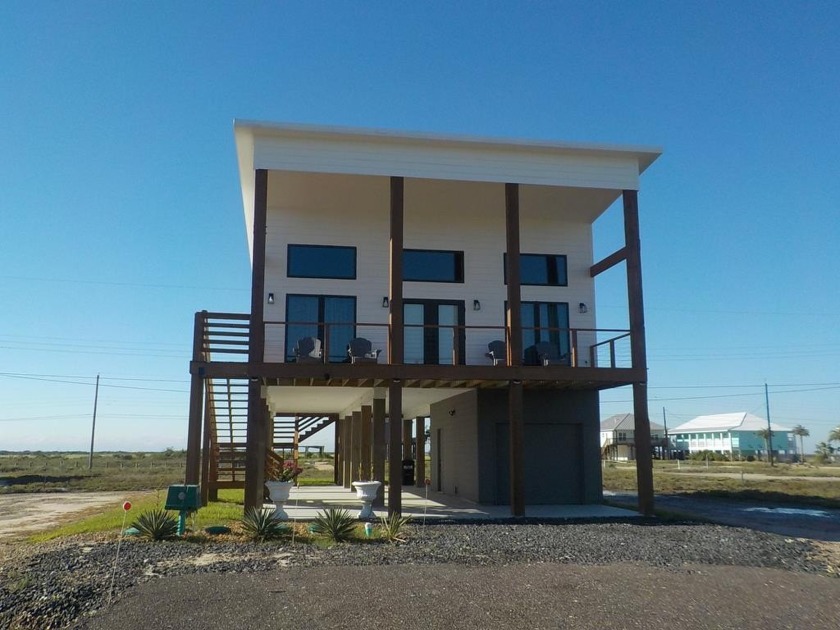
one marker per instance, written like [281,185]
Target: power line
[123,284]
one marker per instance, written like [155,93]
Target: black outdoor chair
[497,352]
[308,350]
[360,350]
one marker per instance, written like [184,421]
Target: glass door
[433,331]
[308,315]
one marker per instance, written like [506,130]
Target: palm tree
[834,435]
[801,432]
[766,434]
[823,452]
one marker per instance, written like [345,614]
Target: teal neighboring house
[734,434]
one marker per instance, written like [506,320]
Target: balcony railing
[226,338]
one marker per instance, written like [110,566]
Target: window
[321,261]
[541,269]
[319,316]
[622,436]
[424,265]
[545,321]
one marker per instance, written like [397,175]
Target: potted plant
[279,482]
[366,492]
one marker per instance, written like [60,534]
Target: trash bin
[408,472]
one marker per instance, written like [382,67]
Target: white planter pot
[279,493]
[366,492]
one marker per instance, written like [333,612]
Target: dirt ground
[22,514]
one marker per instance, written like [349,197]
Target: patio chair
[360,350]
[308,350]
[497,352]
[548,354]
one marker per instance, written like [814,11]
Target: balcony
[453,356]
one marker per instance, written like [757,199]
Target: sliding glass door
[433,331]
[330,318]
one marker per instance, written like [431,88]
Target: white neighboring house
[734,434]
[618,437]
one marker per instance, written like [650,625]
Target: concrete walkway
[306,501]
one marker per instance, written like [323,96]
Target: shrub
[260,525]
[392,527]
[156,525]
[335,524]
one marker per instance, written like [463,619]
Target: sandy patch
[22,514]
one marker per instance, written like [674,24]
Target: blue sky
[120,213]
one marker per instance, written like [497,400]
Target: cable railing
[226,338]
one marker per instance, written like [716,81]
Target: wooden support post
[514,344]
[644,459]
[367,431]
[420,451]
[347,447]
[396,343]
[394,447]
[379,449]
[255,442]
[338,461]
[206,451]
[396,339]
[406,438]
[356,458]
[193,465]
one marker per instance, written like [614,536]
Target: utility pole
[667,441]
[769,431]
[93,426]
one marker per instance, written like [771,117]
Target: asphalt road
[793,521]
[532,596]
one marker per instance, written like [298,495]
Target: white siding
[451,161]
[466,216]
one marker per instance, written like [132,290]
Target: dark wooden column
[644,463]
[193,464]
[514,345]
[206,451]
[256,437]
[356,448]
[338,462]
[420,443]
[396,344]
[367,431]
[379,449]
[347,448]
[394,447]
[406,438]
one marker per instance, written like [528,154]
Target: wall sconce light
[476,305]
[451,412]
[271,298]
[385,302]
[583,308]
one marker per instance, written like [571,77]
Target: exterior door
[434,332]
[330,318]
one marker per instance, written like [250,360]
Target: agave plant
[260,525]
[156,525]
[335,524]
[392,527]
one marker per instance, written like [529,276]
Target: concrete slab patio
[306,501]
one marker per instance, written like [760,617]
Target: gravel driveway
[467,576]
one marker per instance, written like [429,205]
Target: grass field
[696,478]
[146,476]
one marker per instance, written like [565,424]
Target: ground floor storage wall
[470,447]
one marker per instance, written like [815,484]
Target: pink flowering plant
[289,472]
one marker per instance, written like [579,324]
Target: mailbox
[183,498]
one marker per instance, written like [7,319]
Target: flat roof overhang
[338,150]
